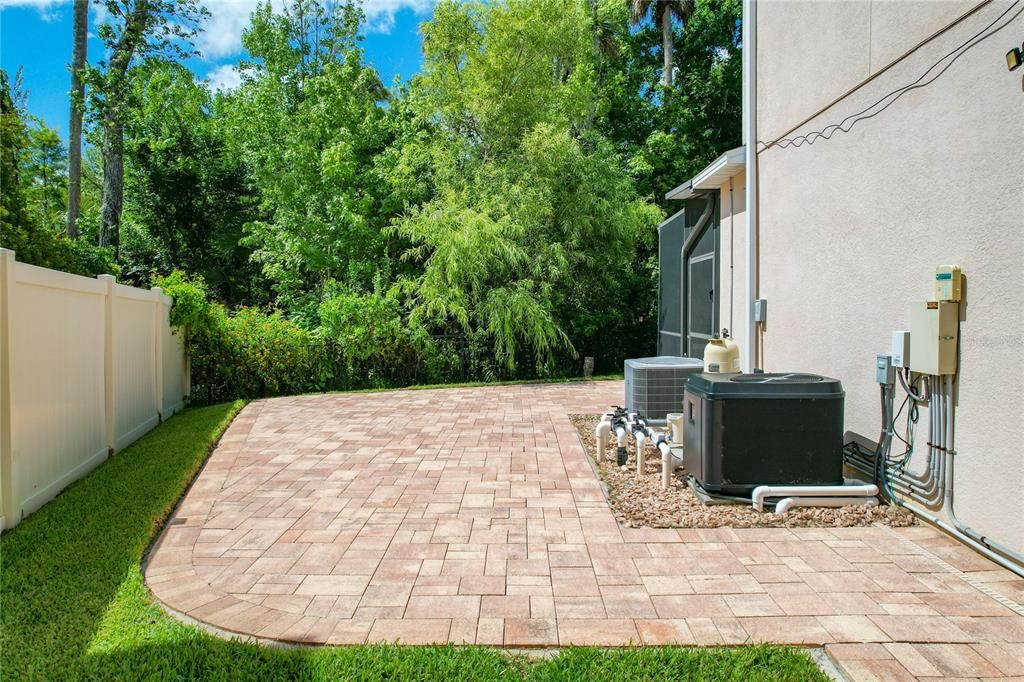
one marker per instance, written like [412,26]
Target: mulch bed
[640,501]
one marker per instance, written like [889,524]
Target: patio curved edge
[472,516]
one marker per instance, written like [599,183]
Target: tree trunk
[77,103]
[113,126]
[113,180]
[666,46]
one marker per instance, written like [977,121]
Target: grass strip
[73,604]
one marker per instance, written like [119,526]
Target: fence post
[108,363]
[158,346]
[8,513]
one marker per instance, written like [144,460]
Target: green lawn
[73,603]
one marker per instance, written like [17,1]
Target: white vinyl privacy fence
[86,367]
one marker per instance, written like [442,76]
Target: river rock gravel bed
[640,501]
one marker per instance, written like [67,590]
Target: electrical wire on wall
[924,80]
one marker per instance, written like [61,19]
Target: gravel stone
[640,501]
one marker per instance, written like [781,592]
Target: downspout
[750,152]
[732,255]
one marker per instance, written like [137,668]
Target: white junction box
[900,350]
[933,337]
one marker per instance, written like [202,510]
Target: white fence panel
[135,409]
[82,375]
[58,430]
[175,370]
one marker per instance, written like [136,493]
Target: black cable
[912,417]
[828,131]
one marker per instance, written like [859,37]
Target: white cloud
[222,33]
[224,78]
[380,14]
[48,9]
[40,4]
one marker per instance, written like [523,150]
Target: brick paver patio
[473,516]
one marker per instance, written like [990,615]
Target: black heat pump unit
[746,430]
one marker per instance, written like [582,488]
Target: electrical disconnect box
[900,349]
[933,337]
[948,279]
[760,310]
[885,374]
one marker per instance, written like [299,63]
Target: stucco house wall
[732,256]
[852,227]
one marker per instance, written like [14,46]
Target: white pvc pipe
[788,503]
[669,463]
[749,38]
[602,433]
[764,491]
[640,454]
[621,436]
[675,424]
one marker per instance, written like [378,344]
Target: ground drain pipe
[852,492]
[787,503]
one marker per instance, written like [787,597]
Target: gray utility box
[654,386]
[745,430]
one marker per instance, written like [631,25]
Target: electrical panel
[948,280]
[885,374]
[933,337]
[900,350]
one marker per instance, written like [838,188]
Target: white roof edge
[683,191]
[714,174]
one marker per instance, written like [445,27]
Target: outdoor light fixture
[1014,58]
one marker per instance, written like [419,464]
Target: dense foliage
[492,217]
[33,192]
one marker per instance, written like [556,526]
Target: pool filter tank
[722,354]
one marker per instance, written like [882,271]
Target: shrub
[363,341]
[368,327]
[246,354]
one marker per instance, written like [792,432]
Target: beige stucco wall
[732,257]
[852,228]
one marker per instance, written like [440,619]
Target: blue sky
[36,35]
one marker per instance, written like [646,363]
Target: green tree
[78,57]
[44,175]
[21,221]
[307,125]
[14,140]
[669,134]
[661,13]
[534,219]
[187,197]
[134,29]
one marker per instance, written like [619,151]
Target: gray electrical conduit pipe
[927,488]
[944,419]
[963,528]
